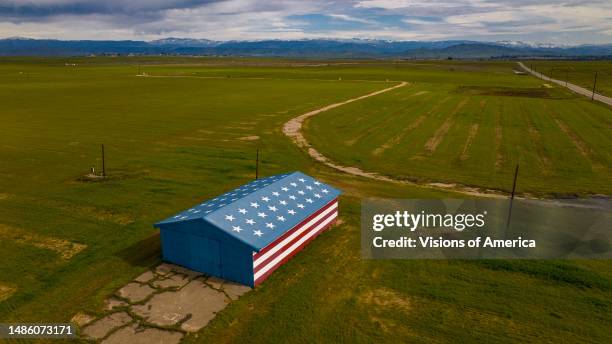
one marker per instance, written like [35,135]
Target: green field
[581,73]
[66,243]
[474,129]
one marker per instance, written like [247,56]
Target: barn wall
[174,246]
[237,264]
[201,247]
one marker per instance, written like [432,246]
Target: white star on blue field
[262,210]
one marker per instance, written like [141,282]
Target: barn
[247,233]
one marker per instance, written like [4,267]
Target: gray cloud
[26,9]
[573,21]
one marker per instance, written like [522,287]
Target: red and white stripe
[286,246]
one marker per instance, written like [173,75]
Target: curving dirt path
[293,129]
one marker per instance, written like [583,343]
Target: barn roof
[259,212]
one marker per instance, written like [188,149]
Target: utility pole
[594,84]
[551,74]
[566,77]
[103,163]
[512,198]
[139,69]
[257,165]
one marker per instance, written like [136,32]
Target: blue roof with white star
[259,212]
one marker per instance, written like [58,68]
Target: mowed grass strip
[408,127]
[473,131]
[535,136]
[432,143]
[64,248]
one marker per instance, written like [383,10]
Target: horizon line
[311,39]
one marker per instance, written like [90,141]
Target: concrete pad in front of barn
[174,281]
[234,290]
[171,297]
[112,303]
[101,327]
[196,302]
[135,292]
[145,277]
[147,335]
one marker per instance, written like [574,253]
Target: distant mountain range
[322,48]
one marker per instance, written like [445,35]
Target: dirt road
[574,88]
[293,129]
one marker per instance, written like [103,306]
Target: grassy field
[474,130]
[581,73]
[67,243]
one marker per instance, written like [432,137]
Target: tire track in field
[432,144]
[601,120]
[581,146]
[472,133]
[375,127]
[386,121]
[293,130]
[294,126]
[499,157]
[395,140]
[420,93]
[536,140]
[468,142]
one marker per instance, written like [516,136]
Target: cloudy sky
[546,21]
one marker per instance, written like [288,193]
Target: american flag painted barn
[247,233]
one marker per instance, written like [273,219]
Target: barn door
[205,255]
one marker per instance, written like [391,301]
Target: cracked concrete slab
[135,292]
[143,335]
[164,269]
[196,300]
[192,301]
[112,303]
[99,328]
[234,290]
[176,281]
[188,273]
[215,282]
[145,277]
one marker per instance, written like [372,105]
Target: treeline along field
[188,129]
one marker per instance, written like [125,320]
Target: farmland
[188,130]
[581,73]
[474,130]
